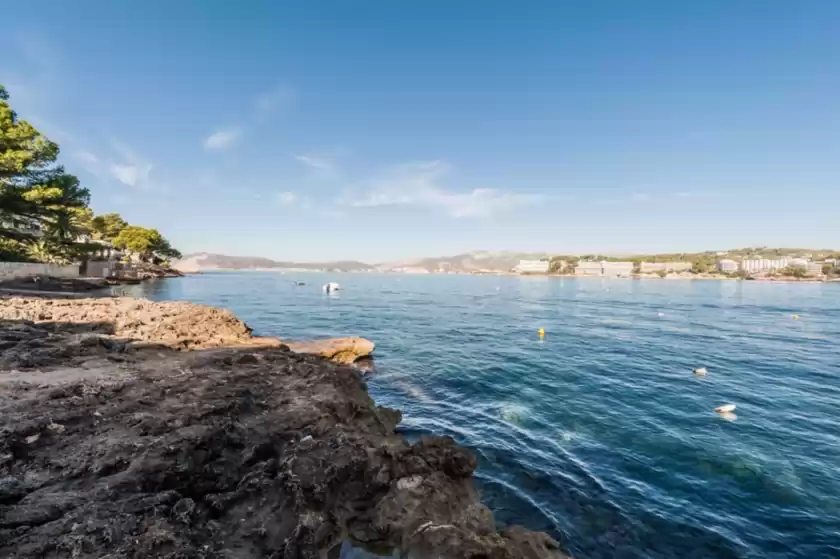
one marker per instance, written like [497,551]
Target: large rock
[340,350]
[248,452]
[172,324]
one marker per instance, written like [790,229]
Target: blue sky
[384,130]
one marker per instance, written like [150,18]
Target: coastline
[681,278]
[168,428]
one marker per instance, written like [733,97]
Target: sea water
[598,433]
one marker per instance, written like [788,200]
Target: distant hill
[471,262]
[462,263]
[468,262]
[208,261]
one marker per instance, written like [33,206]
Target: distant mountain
[469,262]
[207,261]
[480,261]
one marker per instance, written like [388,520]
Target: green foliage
[108,226]
[44,213]
[146,243]
[138,240]
[662,273]
[32,189]
[23,150]
[12,250]
[165,251]
[47,250]
[794,272]
[828,270]
[701,266]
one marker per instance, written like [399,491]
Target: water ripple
[601,434]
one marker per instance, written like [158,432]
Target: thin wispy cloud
[223,139]
[275,100]
[418,185]
[315,162]
[132,175]
[640,197]
[121,163]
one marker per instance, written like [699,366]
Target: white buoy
[330,287]
[700,371]
[726,408]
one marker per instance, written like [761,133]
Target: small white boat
[332,286]
[701,371]
[726,408]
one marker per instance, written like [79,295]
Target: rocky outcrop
[151,271]
[120,450]
[340,350]
[173,324]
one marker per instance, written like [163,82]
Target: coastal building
[19,225]
[728,266]
[798,263]
[605,269]
[589,269]
[532,266]
[617,269]
[763,265]
[815,268]
[654,267]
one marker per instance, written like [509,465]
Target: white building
[798,263]
[589,269]
[532,267]
[728,266]
[815,268]
[617,269]
[761,265]
[21,225]
[605,269]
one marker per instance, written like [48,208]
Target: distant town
[749,263]
[723,264]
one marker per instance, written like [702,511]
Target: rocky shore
[139,429]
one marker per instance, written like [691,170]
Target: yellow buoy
[541,332]
[796,317]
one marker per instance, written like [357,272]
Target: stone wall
[12,270]
[101,268]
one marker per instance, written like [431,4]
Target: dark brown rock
[243,452]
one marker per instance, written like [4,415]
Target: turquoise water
[600,434]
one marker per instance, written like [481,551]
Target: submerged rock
[245,452]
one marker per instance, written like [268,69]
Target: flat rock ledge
[171,324]
[118,448]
